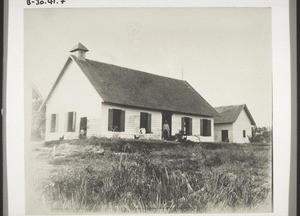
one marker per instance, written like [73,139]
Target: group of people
[166,133]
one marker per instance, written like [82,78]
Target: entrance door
[225,136]
[167,118]
[83,128]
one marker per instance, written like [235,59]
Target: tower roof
[79,46]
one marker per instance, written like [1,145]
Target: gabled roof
[124,86]
[229,114]
[79,46]
[35,92]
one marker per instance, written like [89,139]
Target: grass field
[114,175]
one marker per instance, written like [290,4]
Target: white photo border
[15,123]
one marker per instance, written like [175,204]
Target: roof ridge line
[243,106]
[99,74]
[135,70]
[62,70]
[201,96]
[231,105]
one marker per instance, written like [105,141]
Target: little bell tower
[79,51]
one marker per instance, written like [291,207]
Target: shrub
[261,135]
[38,121]
[213,160]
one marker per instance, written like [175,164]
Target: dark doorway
[225,136]
[83,128]
[167,117]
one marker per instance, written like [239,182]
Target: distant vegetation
[115,175]
[261,135]
[38,121]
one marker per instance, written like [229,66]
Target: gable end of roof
[249,115]
[229,114]
[67,62]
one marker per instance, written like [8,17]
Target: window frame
[71,124]
[244,133]
[146,121]
[112,113]
[55,128]
[187,126]
[205,127]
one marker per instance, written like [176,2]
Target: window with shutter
[74,121]
[208,127]
[190,126]
[186,125]
[71,121]
[148,129]
[110,120]
[145,121]
[54,122]
[205,127]
[116,120]
[122,121]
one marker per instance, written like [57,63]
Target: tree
[261,135]
[38,121]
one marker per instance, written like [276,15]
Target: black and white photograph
[148,110]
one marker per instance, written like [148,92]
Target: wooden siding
[218,132]
[235,130]
[176,126]
[132,122]
[93,127]
[74,93]
[242,123]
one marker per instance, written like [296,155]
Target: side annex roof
[229,114]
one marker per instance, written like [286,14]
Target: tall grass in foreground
[179,179]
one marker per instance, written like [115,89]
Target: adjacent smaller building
[234,124]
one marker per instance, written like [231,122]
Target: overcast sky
[224,53]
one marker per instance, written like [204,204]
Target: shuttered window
[187,125]
[205,127]
[145,121]
[116,120]
[54,123]
[70,121]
